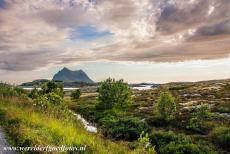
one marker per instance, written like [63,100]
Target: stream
[89,127]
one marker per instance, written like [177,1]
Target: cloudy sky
[138,40]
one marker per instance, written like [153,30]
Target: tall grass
[27,125]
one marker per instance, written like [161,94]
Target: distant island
[69,78]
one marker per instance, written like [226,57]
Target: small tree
[114,93]
[75,95]
[166,105]
[51,86]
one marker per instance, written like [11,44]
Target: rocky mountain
[67,75]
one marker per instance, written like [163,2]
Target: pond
[143,87]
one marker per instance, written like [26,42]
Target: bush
[196,122]
[114,94]
[195,125]
[171,143]
[162,138]
[127,128]
[221,136]
[187,148]
[41,101]
[34,93]
[54,98]
[166,105]
[203,112]
[75,95]
[51,94]
[223,109]
[144,146]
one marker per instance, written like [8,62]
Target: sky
[138,40]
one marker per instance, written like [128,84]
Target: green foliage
[196,122]
[203,112]
[34,93]
[54,98]
[51,94]
[171,143]
[223,109]
[10,91]
[41,101]
[162,138]
[126,128]
[221,136]
[144,146]
[166,105]
[75,95]
[187,148]
[51,86]
[114,94]
[19,91]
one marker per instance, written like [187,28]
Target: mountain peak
[65,69]
[67,75]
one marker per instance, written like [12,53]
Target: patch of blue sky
[2,4]
[88,33]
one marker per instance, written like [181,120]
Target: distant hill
[67,75]
[35,83]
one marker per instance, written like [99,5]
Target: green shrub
[196,122]
[51,94]
[34,93]
[54,98]
[41,101]
[19,91]
[186,148]
[9,91]
[195,125]
[75,95]
[171,143]
[221,136]
[127,128]
[144,146]
[162,138]
[203,112]
[223,109]
[166,105]
[114,94]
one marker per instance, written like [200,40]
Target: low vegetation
[175,118]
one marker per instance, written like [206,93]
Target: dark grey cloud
[25,61]
[174,18]
[222,28]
